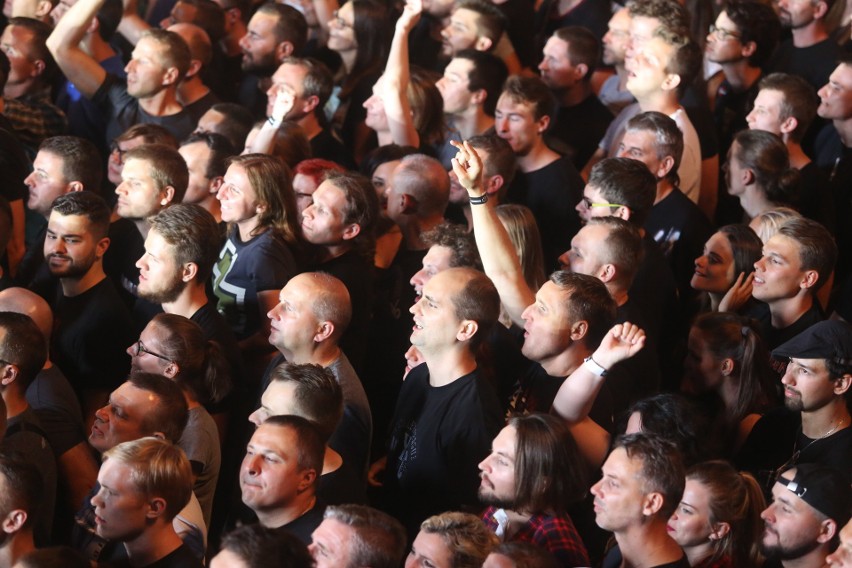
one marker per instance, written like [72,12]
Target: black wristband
[478,200]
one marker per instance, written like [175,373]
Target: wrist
[590,364]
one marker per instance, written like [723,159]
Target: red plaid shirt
[554,534]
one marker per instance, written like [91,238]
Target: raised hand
[284,101]
[738,294]
[621,342]
[467,166]
[410,14]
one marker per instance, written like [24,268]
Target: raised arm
[575,397]
[132,25]
[264,141]
[64,44]
[499,258]
[394,83]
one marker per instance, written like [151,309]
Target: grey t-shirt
[200,442]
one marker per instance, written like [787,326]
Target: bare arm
[577,394]
[64,44]
[499,258]
[264,141]
[394,84]
[132,25]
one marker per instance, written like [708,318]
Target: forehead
[68,224]
[465,16]
[555,297]
[505,441]
[290,74]
[129,395]
[556,47]
[155,242]
[506,103]
[620,21]
[17,36]
[299,287]
[593,233]
[277,439]
[194,151]
[438,256]
[783,246]
[769,98]
[147,46]
[277,396]
[445,284]
[842,75]
[643,27]
[262,22]
[636,138]
[47,159]
[622,465]
[719,242]
[460,66]
[330,194]
[727,23]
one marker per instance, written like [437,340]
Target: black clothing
[814,63]
[181,557]
[578,129]
[303,526]
[551,193]
[613,559]
[327,146]
[341,486]
[730,112]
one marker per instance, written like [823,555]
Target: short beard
[73,271]
[165,296]
[494,501]
[779,552]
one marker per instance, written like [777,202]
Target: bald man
[55,403]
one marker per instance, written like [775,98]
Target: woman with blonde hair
[451,540]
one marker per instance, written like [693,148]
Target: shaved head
[22,301]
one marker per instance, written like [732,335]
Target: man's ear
[194,68]
[215,184]
[324,330]
[282,50]
[483,44]
[820,10]
[167,195]
[810,279]
[310,104]
[101,247]
[188,272]
[308,478]
[607,273]
[671,82]
[43,8]
[75,186]
[156,507]
[827,530]
[14,521]
[478,96]
[666,165]
[542,124]
[351,231]
[622,213]
[172,370]
[842,384]
[38,68]
[9,374]
[467,330]
[170,76]
[748,49]
[493,184]
[579,330]
[789,125]
[652,504]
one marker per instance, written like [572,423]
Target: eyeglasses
[589,204]
[335,17]
[114,148]
[140,348]
[723,34]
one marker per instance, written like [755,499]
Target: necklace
[797,452]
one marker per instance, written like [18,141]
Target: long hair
[372,27]
[735,498]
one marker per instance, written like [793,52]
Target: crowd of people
[434,283]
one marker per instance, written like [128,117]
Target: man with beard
[159,62]
[275,31]
[181,247]
[529,480]
[816,422]
[810,503]
[93,325]
[811,52]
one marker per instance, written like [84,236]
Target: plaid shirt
[557,535]
[35,118]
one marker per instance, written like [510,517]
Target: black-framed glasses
[589,204]
[723,34]
[114,148]
[335,17]
[140,348]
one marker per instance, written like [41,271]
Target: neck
[75,286]
[798,158]
[832,417]
[664,188]
[246,226]
[191,90]
[472,122]
[15,402]
[618,292]
[715,300]
[348,58]
[810,35]
[754,201]
[16,547]
[310,124]
[647,544]
[622,76]
[516,521]
[813,559]
[566,362]
[322,354]
[537,158]
[163,103]
[19,90]
[844,129]
[158,541]
[740,74]
[695,554]
[330,252]
[787,311]
[660,101]
[412,231]
[191,299]
[449,365]
[143,227]
[213,206]
[575,95]
[301,504]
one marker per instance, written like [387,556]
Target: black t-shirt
[304,526]
[325,145]
[181,557]
[730,112]
[579,128]
[815,200]
[341,486]
[680,228]
[215,328]
[613,559]
[91,332]
[775,337]
[551,193]
[123,111]
[438,437]
[520,27]
[591,14]
[814,63]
